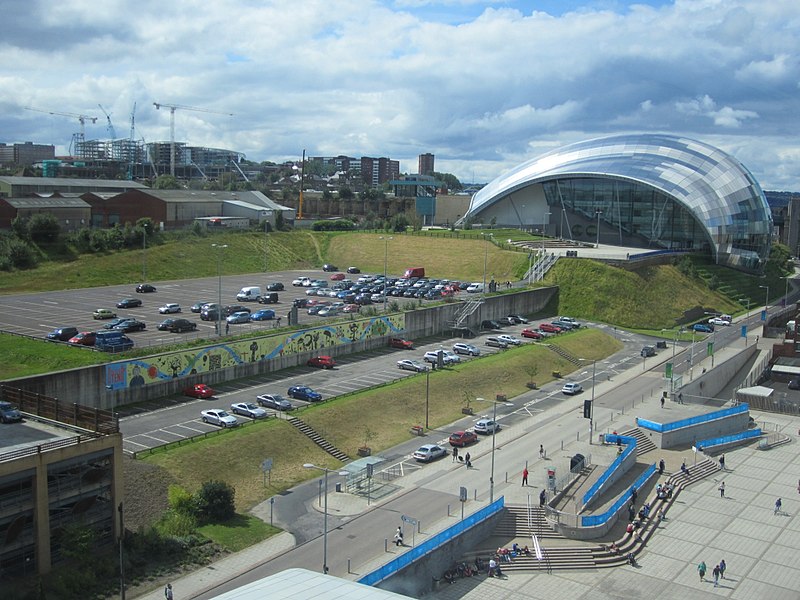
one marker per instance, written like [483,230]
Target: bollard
[348,566]
[476,494]
[506,476]
[562,444]
[385,544]
[448,510]
[578,437]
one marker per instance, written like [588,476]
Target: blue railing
[727,439]
[630,446]
[595,520]
[432,544]
[718,414]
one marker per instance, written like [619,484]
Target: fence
[91,419]
[729,439]
[431,544]
[46,447]
[719,414]
[630,447]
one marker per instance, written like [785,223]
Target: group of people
[664,492]
[718,571]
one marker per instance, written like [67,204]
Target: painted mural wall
[152,369]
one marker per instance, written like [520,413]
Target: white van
[249,294]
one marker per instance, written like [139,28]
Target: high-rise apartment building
[426,164]
[377,171]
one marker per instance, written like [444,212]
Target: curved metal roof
[713,185]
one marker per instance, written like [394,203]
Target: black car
[129,303]
[62,334]
[353,270]
[198,306]
[276,286]
[489,324]
[165,325]
[145,288]
[300,302]
[114,322]
[506,321]
[268,298]
[130,325]
[181,325]
[232,308]
[330,268]
[794,384]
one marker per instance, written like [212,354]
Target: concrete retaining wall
[702,431]
[710,384]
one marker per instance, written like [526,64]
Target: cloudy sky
[484,85]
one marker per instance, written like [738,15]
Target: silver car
[248,409]
[274,401]
[469,349]
[217,416]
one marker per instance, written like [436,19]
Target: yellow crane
[76,137]
[172,108]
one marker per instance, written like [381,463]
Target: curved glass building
[649,190]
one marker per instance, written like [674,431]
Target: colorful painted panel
[141,371]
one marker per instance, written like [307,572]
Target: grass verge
[239,532]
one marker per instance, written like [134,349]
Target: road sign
[266,465]
[409,520]
[462,494]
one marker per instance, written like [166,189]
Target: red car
[531,333]
[401,343]
[549,328]
[337,276]
[84,338]
[463,438]
[199,390]
[323,362]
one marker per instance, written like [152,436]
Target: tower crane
[172,108]
[109,125]
[76,137]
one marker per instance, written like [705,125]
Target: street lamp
[786,291]
[144,254]
[598,212]
[325,515]
[266,244]
[766,304]
[591,402]
[541,261]
[494,432]
[485,259]
[427,395]
[220,248]
[385,264]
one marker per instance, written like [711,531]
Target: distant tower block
[426,164]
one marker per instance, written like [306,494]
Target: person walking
[722,490]
[467,463]
[661,466]
[701,568]
[662,401]
[777,506]
[680,398]
[398,536]
[168,592]
[542,498]
[541,451]
[715,571]
[722,462]
[455,453]
[227,328]
[525,476]
[631,512]
[722,567]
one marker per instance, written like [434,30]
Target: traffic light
[587,409]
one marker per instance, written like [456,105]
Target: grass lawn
[239,532]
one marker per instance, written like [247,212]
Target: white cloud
[482,85]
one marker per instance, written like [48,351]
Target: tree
[166,182]
[345,193]
[215,502]
[450,180]
[44,227]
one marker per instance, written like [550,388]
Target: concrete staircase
[643,443]
[309,432]
[515,523]
[564,354]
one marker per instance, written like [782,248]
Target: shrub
[215,502]
[181,501]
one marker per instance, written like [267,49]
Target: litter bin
[602,437]
[576,463]
[338,486]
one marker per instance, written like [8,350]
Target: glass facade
[651,190]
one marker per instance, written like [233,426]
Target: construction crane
[172,108]
[76,137]
[109,125]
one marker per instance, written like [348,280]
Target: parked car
[62,334]
[234,308]
[265,314]
[103,313]
[400,343]
[411,365]
[274,401]
[510,339]
[564,325]
[268,298]
[575,324]
[130,325]
[490,324]
[571,388]
[198,390]
[112,341]
[301,281]
[116,321]
[165,324]
[322,362]
[474,288]
[248,409]
[169,308]
[518,319]
[84,338]
[429,452]
[703,328]
[549,328]
[468,349]
[197,307]
[303,392]
[794,384]
[238,318]
[648,351]
[506,321]
[448,357]
[496,342]
[129,303]
[275,286]
[486,426]
[351,308]
[719,321]
[217,416]
[353,270]
[9,413]
[531,333]
[463,438]
[328,311]
[145,288]
[337,277]
[181,325]
[330,268]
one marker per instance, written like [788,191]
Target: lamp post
[266,243]
[591,402]
[325,514]
[220,248]
[541,261]
[786,291]
[598,212]
[494,432]
[385,265]
[485,259]
[427,394]
[766,304]
[144,254]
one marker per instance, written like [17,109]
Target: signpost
[462,495]
[266,467]
[413,522]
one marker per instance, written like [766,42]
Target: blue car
[265,314]
[702,328]
[302,392]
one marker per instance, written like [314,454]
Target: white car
[486,426]
[248,409]
[411,365]
[496,342]
[572,388]
[301,281]
[571,321]
[217,416]
[468,349]
[448,357]
[510,339]
[719,321]
[474,288]
[169,308]
[429,452]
